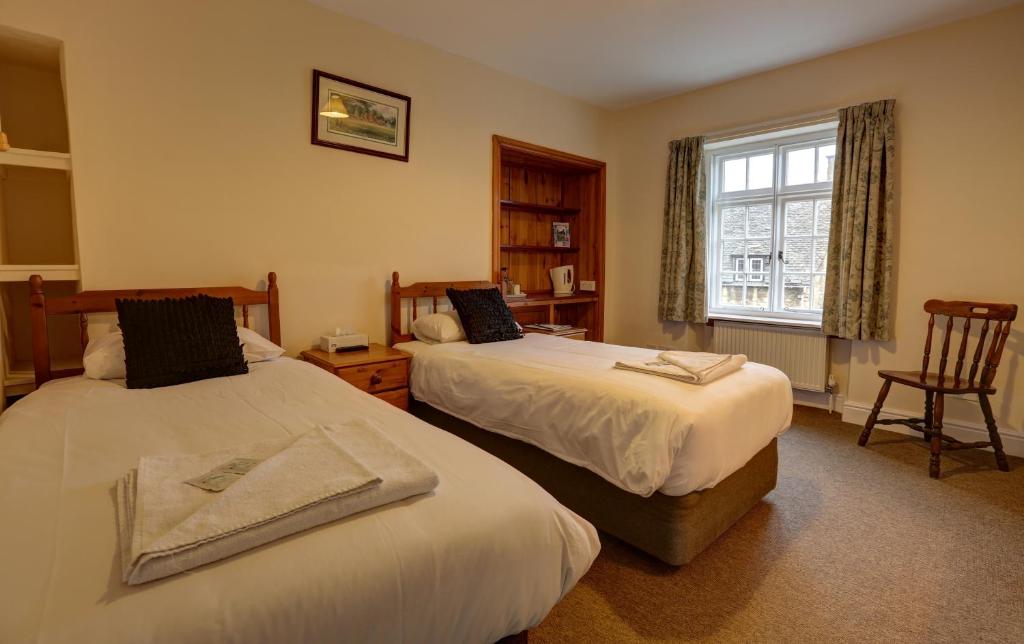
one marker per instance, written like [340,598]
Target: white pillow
[439,327]
[104,356]
[255,347]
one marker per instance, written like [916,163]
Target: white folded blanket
[688,366]
[167,526]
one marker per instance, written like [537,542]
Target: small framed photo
[354,116]
[560,234]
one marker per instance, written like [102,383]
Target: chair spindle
[927,347]
[994,353]
[963,351]
[945,348]
[977,353]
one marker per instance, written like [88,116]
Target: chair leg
[933,465]
[993,433]
[873,416]
[929,401]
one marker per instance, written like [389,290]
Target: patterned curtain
[858,276]
[684,241]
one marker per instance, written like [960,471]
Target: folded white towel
[687,366]
[167,526]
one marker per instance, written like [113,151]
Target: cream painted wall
[189,131]
[959,91]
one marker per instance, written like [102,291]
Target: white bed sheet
[488,553]
[640,432]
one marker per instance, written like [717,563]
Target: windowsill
[754,319]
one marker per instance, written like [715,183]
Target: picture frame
[376,121]
[560,235]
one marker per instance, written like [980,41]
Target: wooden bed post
[396,309]
[40,339]
[273,309]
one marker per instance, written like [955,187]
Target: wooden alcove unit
[534,187]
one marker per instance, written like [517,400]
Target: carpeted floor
[853,545]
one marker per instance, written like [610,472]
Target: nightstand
[379,370]
[573,334]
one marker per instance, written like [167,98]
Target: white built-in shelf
[36,159]
[49,272]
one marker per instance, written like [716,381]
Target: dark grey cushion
[173,341]
[484,315]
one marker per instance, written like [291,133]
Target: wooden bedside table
[379,370]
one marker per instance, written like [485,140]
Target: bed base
[675,529]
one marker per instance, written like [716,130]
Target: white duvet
[640,432]
[488,553]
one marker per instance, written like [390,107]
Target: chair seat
[947,385]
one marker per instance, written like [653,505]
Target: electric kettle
[563,280]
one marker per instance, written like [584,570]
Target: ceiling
[618,53]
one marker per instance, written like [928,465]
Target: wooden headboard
[415,292]
[88,302]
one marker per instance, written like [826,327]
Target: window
[770,208]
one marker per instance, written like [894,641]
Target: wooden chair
[937,385]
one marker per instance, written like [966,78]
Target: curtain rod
[774,125]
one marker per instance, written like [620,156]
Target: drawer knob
[376,378]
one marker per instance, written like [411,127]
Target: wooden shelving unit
[533,188]
[527,248]
[37,234]
[538,207]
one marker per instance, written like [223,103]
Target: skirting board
[857,413]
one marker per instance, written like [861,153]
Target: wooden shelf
[545,298]
[540,249]
[50,272]
[537,207]
[36,159]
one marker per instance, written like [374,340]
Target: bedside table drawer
[381,376]
[397,397]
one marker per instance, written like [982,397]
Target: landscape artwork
[366,119]
[357,117]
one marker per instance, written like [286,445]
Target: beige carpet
[853,545]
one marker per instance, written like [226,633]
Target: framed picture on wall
[354,116]
[560,234]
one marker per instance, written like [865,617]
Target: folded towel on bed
[687,366]
[167,526]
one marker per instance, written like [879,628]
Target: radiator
[801,354]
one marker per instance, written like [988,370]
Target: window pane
[796,292]
[733,222]
[761,171]
[826,162]
[731,251]
[797,255]
[818,301]
[757,295]
[734,175]
[820,254]
[732,292]
[799,218]
[822,216]
[759,220]
[799,167]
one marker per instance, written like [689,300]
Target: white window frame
[778,143]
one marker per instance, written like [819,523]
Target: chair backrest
[1001,314]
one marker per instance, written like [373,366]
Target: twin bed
[664,465]
[484,556]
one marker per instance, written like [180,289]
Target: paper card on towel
[221,477]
